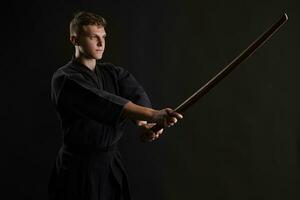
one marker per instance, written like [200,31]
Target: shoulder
[67,71]
[63,75]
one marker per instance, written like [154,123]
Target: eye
[92,37]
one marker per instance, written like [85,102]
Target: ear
[74,40]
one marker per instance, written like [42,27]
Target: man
[94,100]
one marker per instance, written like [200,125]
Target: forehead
[93,29]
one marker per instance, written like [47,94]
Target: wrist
[154,115]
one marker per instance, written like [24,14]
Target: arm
[132,90]
[139,109]
[165,117]
[138,113]
[73,98]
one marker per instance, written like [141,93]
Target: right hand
[166,117]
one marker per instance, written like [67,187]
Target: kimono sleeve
[131,89]
[79,98]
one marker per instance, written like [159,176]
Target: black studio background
[239,142]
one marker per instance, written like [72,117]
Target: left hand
[147,135]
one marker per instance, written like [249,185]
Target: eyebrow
[93,34]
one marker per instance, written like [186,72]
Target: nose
[100,43]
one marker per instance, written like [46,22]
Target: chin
[97,57]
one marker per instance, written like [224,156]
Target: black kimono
[89,105]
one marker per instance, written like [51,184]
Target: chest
[103,79]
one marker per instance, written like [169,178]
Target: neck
[88,62]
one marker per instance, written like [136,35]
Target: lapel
[93,76]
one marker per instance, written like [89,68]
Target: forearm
[138,113]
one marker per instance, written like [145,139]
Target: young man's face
[91,41]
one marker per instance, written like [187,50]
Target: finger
[151,124]
[152,139]
[171,124]
[160,131]
[177,115]
[149,138]
[174,120]
[170,112]
[148,127]
[173,113]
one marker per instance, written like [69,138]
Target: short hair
[83,18]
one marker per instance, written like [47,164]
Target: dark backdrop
[239,142]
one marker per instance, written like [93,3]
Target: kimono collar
[82,66]
[84,69]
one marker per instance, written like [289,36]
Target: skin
[89,46]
